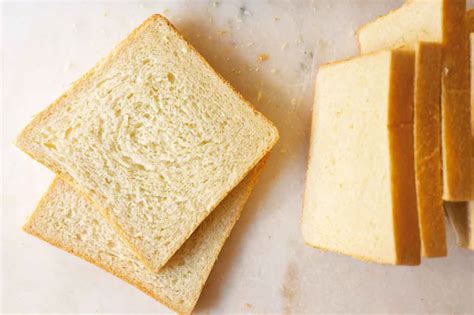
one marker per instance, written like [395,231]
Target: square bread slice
[360,197]
[437,21]
[67,220]
[154,137]
[427,135]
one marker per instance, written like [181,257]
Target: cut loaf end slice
[437,21]
[67,220]
[153,137]
[360,197]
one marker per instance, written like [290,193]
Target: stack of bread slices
[391,139]
[155,156]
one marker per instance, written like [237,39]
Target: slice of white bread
[427,136]
[360,197]
[461,214]
[67,220]
[152,136]
[436,21]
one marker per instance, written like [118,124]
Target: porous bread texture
[427,136]
[67,220]
[153,136]
[436,21]
[461,216]
[360,196]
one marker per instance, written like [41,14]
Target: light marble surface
[264,267]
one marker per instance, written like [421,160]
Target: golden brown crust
[470,21]
[429,183]
[22,140]
[455,105]
[405,216]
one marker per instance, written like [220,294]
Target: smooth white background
[264,267]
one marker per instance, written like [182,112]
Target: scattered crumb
[239,21]
[259,95]
[248,305]
[262,57]
[276,18]
[166,11]
[106,13]
[249,44]
[293,101]
[283,47]
[222,32]
[257,69]
[299,40]
[210,19]
[283,151]
[67,66]
[243,11]
[215,3]
[273,71]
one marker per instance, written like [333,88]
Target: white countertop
[264,266]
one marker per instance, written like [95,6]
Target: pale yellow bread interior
[360,195]
[153,137]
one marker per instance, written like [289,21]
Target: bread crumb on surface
[284,45]
[263,57]
[248,305]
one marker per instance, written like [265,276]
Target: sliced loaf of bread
[437,21]
[360,195]
[153,137]
[67,220]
